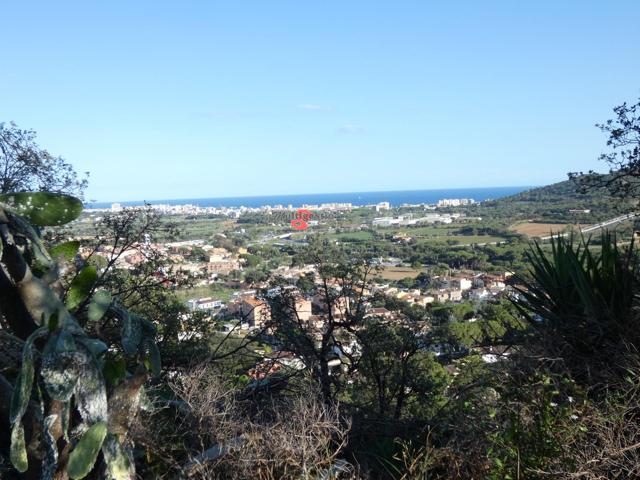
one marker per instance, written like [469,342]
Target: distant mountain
[555,202]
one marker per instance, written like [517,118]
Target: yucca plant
[579,299]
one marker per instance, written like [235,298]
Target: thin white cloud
[351,129]
[313,107]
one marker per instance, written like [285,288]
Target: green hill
[555,202]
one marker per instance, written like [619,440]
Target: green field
[357,236]
[469,239]
[216,291]
[360,236]
[461,240]
[426,231]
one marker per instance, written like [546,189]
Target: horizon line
[90,202]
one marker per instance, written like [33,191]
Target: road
[588,229]
[591,228]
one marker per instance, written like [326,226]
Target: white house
[479,294]
[203,304]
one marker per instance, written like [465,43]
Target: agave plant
[579,299]
[70,400]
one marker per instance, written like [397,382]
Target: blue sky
[189,99]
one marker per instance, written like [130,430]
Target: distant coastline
[395,198]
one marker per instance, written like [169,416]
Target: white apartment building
[455,202]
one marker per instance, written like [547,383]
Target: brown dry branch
[227,437]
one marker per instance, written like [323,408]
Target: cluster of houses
[233,212]
[312,312]
[216,261]
[250,310]
[455,202]
[455,288]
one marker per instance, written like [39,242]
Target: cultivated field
[541,229]
[398,273]
[218,292]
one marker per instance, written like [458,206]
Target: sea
[395,198]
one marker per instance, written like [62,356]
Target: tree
[407,282]
[251,260]
[306,283]
[24,166]
[623,179]
[255,275]
[396,371]
[149,287]
[342,281]
[197,254]
[424,280]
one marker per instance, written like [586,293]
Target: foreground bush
[217,430]
[581,302]
[564,404]
[68,396]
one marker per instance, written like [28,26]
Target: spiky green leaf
[95,346]
[66,250]
[148,328]
[18,452]
[119,464]
[39,258]
[60,372]
[22,391]
[99,305]
[115,370]
[81,286]
[44,208]
[54,321]
[64,420]
[153,354]
[131,333]
[83,457]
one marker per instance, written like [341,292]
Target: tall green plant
[579,299]
[71,399]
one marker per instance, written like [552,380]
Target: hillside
[555,202]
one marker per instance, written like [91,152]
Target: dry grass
[220,433]
[398,273]
[533,229]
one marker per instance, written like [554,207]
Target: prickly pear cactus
[78,396]
[43,208]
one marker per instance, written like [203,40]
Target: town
[241,307]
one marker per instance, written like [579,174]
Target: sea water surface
[395,198]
